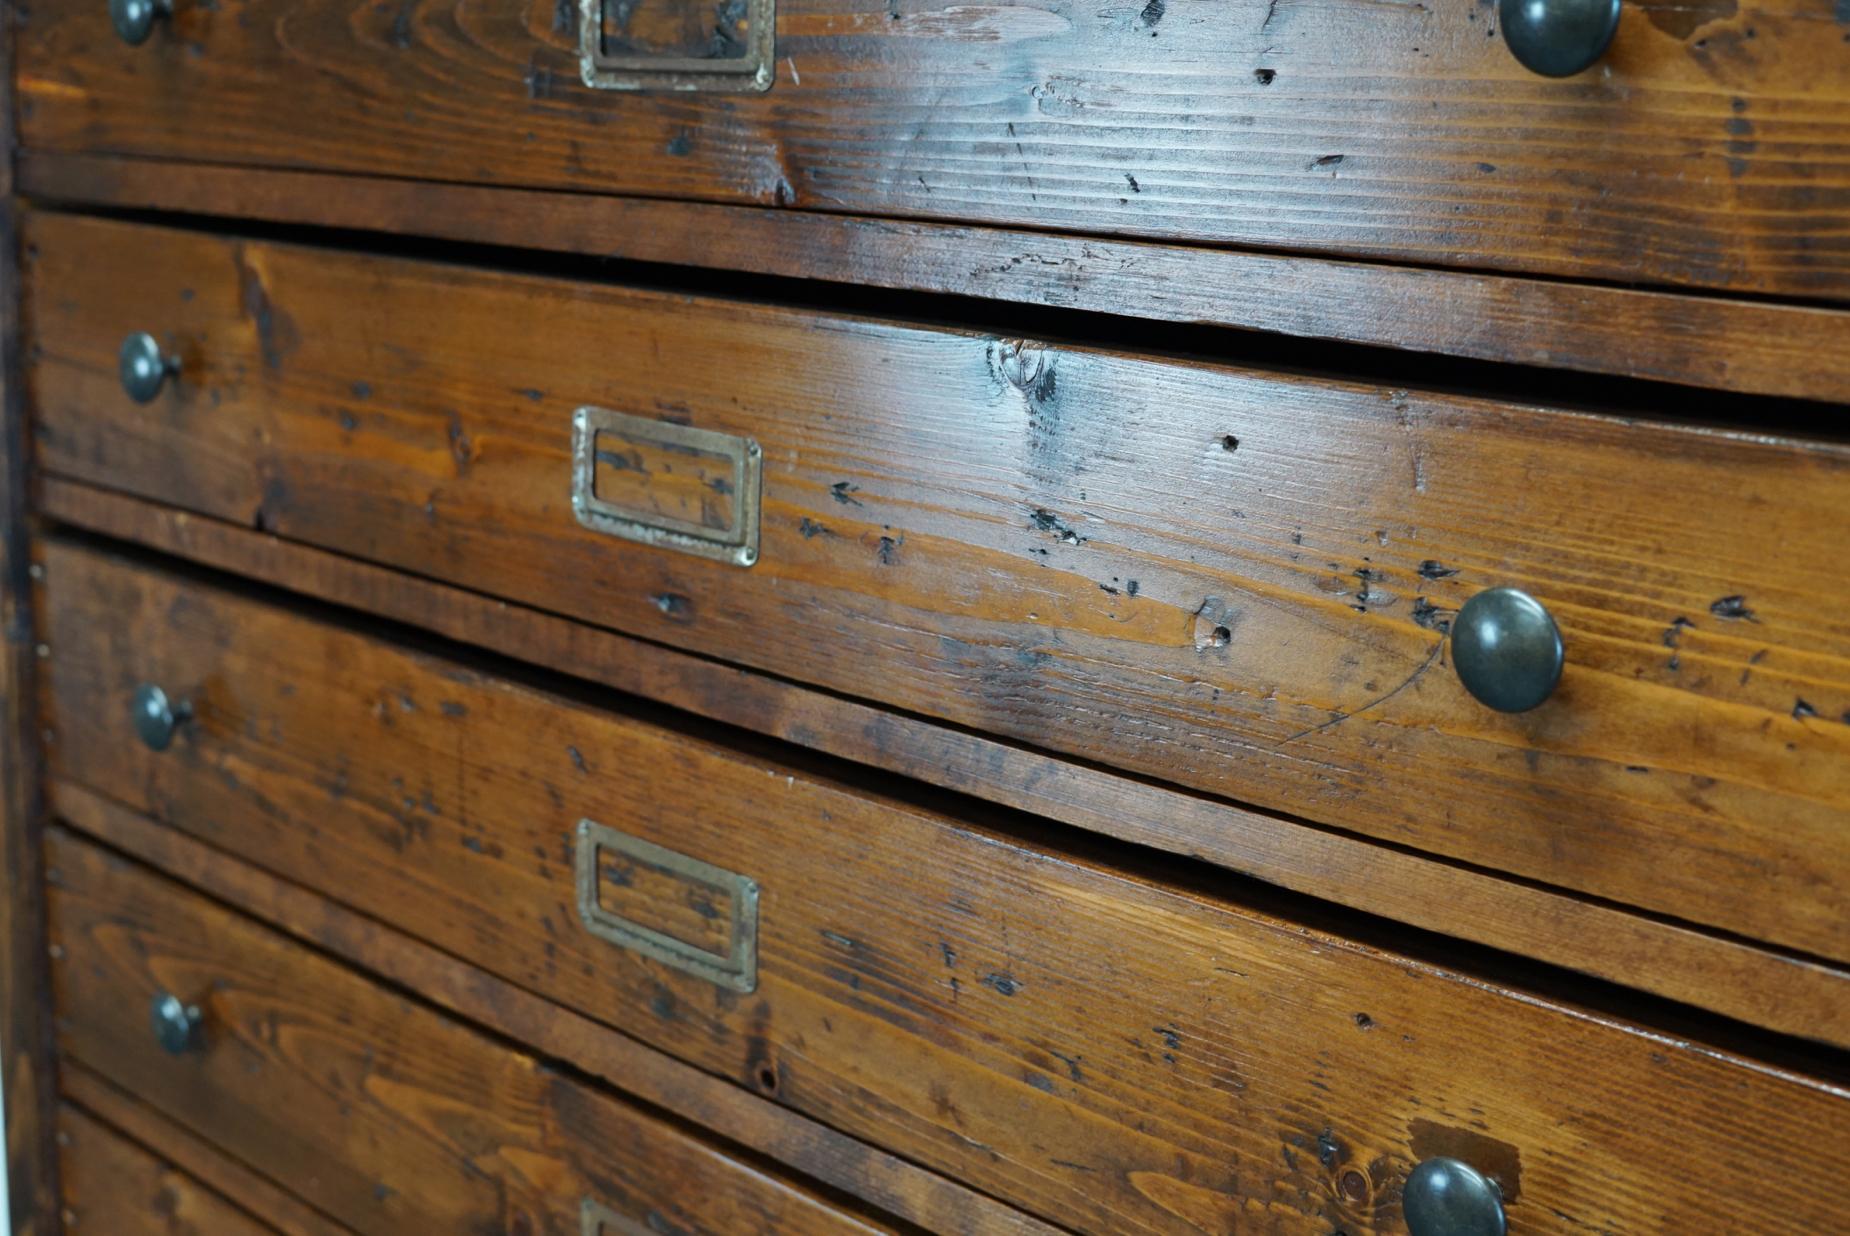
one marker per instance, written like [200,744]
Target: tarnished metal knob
[144,367]
[1558,38]
[134,19]
[157,717]
[1445,1197]
[1507,649]
[178,1026]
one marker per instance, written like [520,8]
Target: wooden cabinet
[1112,1053]
[1235,581]
[795,616]
[1706,148]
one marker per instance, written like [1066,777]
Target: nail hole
[1230,443]
[767,1079]
[1221,637]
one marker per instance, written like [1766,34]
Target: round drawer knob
[1445,1197]
[177,1025]
[1558,38]
[157,717]
[1507,649]
[144,367]
[134,19]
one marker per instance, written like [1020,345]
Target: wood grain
[29,1175]
[1112,1054]
[1751,346]
[1233,581]
[1707,149]
[891,1184]
[192,1155]
[394,1118]
[113,1185]
[1756,985]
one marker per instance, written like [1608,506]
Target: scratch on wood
[1431,659]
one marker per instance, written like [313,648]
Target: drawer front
[1230,581]
[391,1117]
[111,1184]
[1112,1054]
[1710,147]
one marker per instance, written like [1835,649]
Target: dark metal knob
[1507,649]
[144,367]
[1558,38]
[178,1026]
[157,717]
[1445,1197]
[134,19]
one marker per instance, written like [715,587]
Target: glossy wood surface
[1114,1054]
[1729,976]
[1230,580]
[113,1185]
[892,1184]
[1753,346]
[1707,148]
[394,1118]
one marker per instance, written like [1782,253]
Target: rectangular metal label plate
[597,1219]
[621,877]
[693,490]
[684,45]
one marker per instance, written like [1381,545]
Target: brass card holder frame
[737,544]
[754,71]
[597,1219]
[736,969]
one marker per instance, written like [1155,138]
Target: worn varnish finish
[1700,340]
[1710,147]
[1114,1054]
[1233,581]
[1726,975]
[113,1185]
[392,1117]
[892,1184]
[192,1156]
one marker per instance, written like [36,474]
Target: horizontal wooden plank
[113,1185]
[198,1158]
[884,1180]
[393,1117]
[1732,977]
[1708,148]
[1236,581]
[1751,346]
[1112,1053]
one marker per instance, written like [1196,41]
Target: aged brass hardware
[736,968]
[674,486]
[1558,38]
[143,367]
[1444,1197]
[1507,649]
[738,54]
[178,1026]
[134,19]
[157,717]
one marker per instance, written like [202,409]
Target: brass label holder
[735,969]
[731,538]
[751,71]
